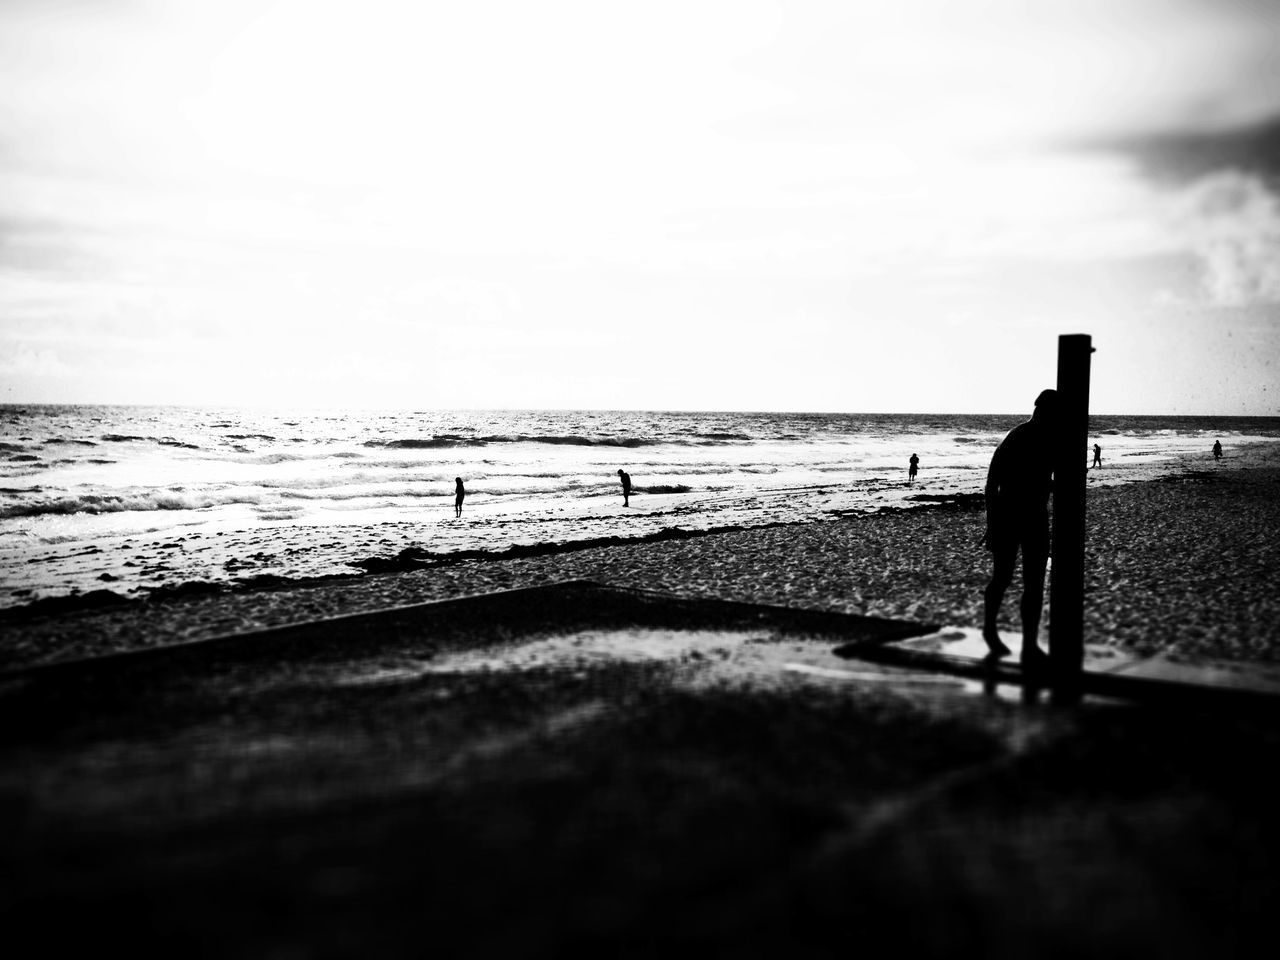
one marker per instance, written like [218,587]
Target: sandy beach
[1186,564]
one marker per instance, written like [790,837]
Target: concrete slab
[1108,672]
[966,644]
[1225,675]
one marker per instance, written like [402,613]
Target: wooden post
[1066,587]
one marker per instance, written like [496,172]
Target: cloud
[1184,155]
[19,361]
[1219,186]
[1231,220]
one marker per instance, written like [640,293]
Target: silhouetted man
[913,464]
[1097,457]
[458,495]
[1217,449]
[1017,495]
[626,487]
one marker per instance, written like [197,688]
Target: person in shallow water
[626,487]
[1097,457]
[459,494]
[913,465]
[1217,449]
[1017,494]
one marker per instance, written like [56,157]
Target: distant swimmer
[1017,495]
[626,487]
[1097,457]
[1217,449]
[911,470]
[459,494]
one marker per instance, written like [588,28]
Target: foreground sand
[1190,566]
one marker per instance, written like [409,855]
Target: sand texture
[1186,565]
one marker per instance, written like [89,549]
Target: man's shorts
[1031,533]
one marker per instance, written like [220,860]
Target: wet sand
[1188,564]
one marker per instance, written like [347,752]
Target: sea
[135,500]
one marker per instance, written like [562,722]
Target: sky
[802,205]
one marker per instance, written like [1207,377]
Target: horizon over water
[139,498]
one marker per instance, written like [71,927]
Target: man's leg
[1035,558]
[1003,556]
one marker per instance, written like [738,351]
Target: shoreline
[406,560]
[1182,564]
[418,558]
[97,553]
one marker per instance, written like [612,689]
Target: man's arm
[991,493]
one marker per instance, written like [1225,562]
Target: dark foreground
[361,788]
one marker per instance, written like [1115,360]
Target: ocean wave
[78,443]
[267,459]
[280,456]
[575,440]
[426,491]
[338,481]
[371,493]
[105,503]
[135,438]
[445,440]
[425,443]
[250,436]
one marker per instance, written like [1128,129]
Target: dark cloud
[1182,156]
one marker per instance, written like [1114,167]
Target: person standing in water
[914,464]
[459,494]
[1017,494]
[1217,449]
[626,487]
[1097,457]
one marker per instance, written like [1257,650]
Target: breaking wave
[427,443]
[134,438]
[445,440]
[123,503]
